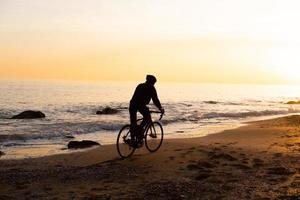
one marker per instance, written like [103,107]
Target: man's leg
[146,115]
[133,125]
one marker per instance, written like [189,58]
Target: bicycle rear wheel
[154,136]
[123,141]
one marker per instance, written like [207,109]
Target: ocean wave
[6,114]
[246,114]
[212,102]
[29,136]
[196,116]
[61,130]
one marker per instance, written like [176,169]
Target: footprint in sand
[192,167]
[202,150]
[216,149]
[241,166]
[232,143]
[276,155]
[202,165]
[257,162]
[132,159]
[296,183]
[216,162]
[26,193]
[183,154]
[223,156]
[202,176]
[97,189]
[178,149]
[289,145]
[48,188]
[282,171]
[245,161]
[21,187]
[233,180]
[205,164]
[171,158]
[182,169]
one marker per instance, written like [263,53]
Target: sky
[219,41]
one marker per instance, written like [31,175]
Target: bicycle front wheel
[154,136]
[123,142]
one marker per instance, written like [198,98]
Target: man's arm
[155,99]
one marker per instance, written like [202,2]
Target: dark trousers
[144,110]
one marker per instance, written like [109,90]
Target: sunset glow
[228,41]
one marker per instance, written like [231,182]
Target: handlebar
[161,113]
[153,111]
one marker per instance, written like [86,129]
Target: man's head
[150,79]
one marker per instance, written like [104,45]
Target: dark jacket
[143,94]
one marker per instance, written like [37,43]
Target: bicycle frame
[149,123]
[129,150]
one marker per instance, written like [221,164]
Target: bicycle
[152,135]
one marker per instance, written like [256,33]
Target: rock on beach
[81,144]
[29,114]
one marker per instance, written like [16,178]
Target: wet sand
[257,161]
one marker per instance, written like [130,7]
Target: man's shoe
[132,143]
[136,144]
[140,144]
[152,135]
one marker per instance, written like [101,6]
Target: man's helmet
[150,79]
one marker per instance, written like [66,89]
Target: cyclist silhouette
[142,96]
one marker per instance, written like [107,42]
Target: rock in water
[293,102]
[107,111]
[2,153]
[69,136]
[29,114]
[81,144]
[211,102]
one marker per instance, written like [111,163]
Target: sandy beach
[257,161]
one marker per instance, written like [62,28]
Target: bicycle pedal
[139,145]
[152,135]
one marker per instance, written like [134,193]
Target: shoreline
[258,161]
[41,150]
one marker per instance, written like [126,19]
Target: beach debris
[179,131]
[280,171]
[81,144]
[211,102]
[205,164]
[107,111]
[293,102]
[29,114]
[222,156]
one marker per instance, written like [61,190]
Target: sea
[192,110]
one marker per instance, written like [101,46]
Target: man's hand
[162,110]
